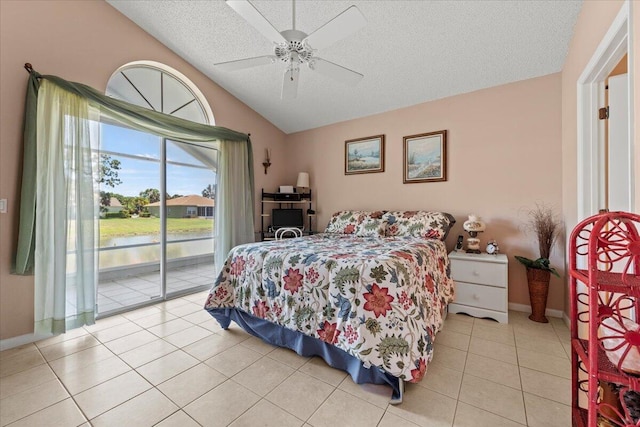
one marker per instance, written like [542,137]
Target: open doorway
[605,135]
[617,145]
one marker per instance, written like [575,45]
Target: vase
[538,281]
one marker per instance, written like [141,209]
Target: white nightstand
[481,285]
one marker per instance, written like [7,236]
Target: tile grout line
[71,396]
[524,405]
[466,357]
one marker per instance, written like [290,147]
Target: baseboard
[566,319]
[8,343]
[527,309]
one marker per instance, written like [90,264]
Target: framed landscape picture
[425,157]
[364,155]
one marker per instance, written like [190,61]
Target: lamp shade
[303,180]
[474,223]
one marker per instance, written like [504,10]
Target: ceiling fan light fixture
[294,47]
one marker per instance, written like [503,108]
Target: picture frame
[364,155]
[425,157]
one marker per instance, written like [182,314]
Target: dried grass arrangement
[546,226]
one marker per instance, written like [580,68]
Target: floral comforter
[378,299]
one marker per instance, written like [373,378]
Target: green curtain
[23,263]
[147,121]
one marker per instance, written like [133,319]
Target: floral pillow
[431,225]
[371,227]
[348,222]
[345,222]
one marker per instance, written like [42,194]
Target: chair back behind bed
[282,232]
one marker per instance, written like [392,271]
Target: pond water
[119,255]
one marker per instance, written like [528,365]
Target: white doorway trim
[612,48]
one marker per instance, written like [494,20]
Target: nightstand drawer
[488,297]
[484,273]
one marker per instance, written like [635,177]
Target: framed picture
[425,157]
[364,155]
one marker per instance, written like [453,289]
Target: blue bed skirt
[307,346]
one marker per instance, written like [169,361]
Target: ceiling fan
[295,48]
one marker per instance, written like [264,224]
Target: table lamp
[303,182]
[473,226]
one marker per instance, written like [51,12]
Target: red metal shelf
[604,243]
[607,371]
[580,417]
[611,282]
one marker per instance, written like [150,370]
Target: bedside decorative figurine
[492,247]
[459,244]
[473,226]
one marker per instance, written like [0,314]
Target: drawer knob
[475,273]
[476,297]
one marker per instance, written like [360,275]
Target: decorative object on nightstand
[459,244]
[473,226]
[546,227]
[481,285]
[303,182]
[492,247]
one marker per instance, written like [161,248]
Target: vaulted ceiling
[409,52]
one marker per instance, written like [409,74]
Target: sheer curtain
[65,241]
[57,238]
[232,228]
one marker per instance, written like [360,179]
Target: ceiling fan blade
[255,18]
[290,84]
[335,71]
[241,64]
[341,26]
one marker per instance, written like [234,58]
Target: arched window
[160,88]
[157,195]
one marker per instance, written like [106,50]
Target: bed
[368,295]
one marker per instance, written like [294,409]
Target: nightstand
[481,285]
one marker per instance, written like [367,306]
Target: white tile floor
[171,365]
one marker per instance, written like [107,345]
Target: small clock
[492,247]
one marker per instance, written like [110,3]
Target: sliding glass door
[130,238]
[190,207]
[157,203]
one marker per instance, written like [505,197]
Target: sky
[140,174]
[425,149]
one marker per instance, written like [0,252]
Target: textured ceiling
[409,52]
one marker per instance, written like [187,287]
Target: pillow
[371,227]
[430,225]
[345,222]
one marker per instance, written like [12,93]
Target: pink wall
[504,155]
[86,41]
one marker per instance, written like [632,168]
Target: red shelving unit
[604,258]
